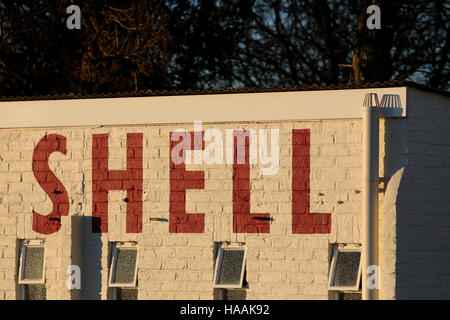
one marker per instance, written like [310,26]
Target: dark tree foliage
[327,42]
[204,44]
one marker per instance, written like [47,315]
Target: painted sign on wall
[240,152]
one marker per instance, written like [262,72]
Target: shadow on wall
[423,200]
[87,254]
[394,167]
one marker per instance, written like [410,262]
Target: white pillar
[370,172]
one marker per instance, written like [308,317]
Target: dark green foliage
[204,44]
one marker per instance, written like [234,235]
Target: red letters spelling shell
[104,180]
[303,221]
[55,190]
[131,180]
[243,221]
[180,181]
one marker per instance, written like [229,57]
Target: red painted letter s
[50,184]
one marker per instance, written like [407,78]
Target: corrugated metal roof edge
[145,93]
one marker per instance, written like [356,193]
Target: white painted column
[370,167]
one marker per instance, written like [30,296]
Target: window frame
[113,263]
[218,267]
[338,248]
[24,244]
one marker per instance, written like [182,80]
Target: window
[32,262]
[125,293]
[123,271]
[33,292]
[349,295]
[32,270]
[345,272]
[230,267]
[231,294]
[229,272]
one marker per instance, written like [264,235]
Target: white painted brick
[273,277]
[176,266]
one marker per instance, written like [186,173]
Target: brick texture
[423,201]
[181,220]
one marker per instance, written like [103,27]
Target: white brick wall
[177,266]
[423,200]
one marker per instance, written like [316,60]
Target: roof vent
[391,106]
[371,100]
